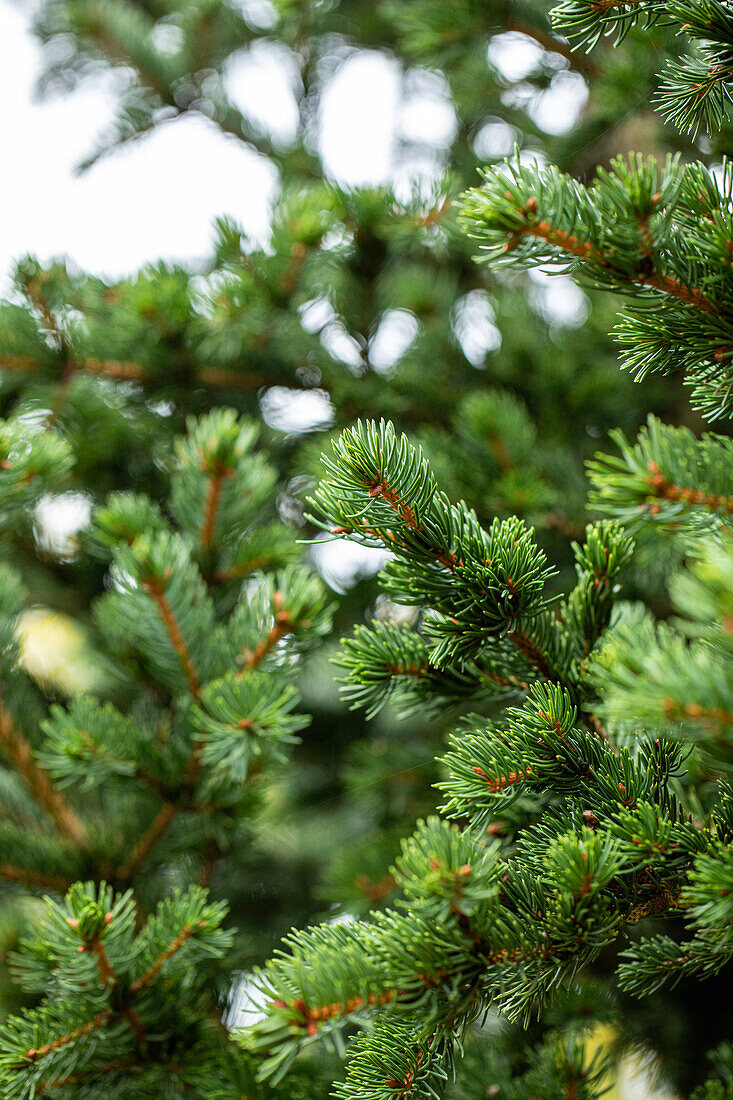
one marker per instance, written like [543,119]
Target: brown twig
[298,255]
[63,1040]
[676,288]
[129,371]
[584,250]
[20,752]
[241,570]
[74,1078]
[96,947]
[211,505]
[500,782]
[152,972]
[34,878]
[155,590]
[282,626]
[150,838]
[531,651]
[697,713]
[667,490]
[552,44]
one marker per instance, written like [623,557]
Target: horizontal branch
[552,44]
[99,1020]
[309,1018]
[129,371]
[668,490]
[75,1078]
[241,570]
[33,878]
[584,250]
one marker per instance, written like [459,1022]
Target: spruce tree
[117,368]
[154,783]
[146,349]
[594,816]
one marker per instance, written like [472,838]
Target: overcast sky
[158,197]
[155,199]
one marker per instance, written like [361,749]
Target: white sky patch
[58,520]
[494,139]
[514,55]
[154,199]
[342,918]
[296,411]
[557,110]
[519,96]
[258,13]
[638,1079]
[474,325]
[261,82]
[385,610]
[534,157]
[246,1003]
[558,298]
[167,37]
[342,564]
[358,119]
[315,314]
[397,330]
[337,341]
[427,114]
[416,176]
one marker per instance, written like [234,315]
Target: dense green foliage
[601,801]
[582,791]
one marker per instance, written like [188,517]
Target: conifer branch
[642,229]
[668,284]
[552,43]
[152,972]
[33,878]
[695,89]
[282,626]
[570,245]
[211,504]
[76,1078]
[154,833]
[36,1053]
[695,498]
[529,649]
[19,750]
[155,589]
[651,479]
[130,371]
